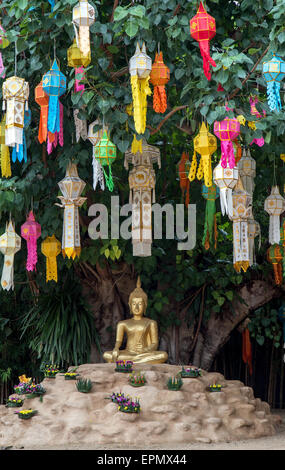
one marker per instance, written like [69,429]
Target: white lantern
[140,64]
[83,16]
[247,171]
[226,179]
[274,205]
[10,244]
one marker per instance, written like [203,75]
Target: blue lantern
[20,150]
[54,84]
[273,72]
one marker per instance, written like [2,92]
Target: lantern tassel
[159,99]
[32,254]
[273,93]
[209,223]
[98,175]
[228,154]
[53,114]
[207,59]
[2,68]
[51,269]
[5,162]
[140,91]
[109,178]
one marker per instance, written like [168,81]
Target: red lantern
[203,28]
[42,99]
[159,76]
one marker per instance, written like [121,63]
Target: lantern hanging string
[274,173]
[16,53]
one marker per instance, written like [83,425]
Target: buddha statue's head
[138,300]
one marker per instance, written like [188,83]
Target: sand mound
[193,414]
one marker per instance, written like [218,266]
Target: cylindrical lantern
[15,95]
[203,29]
[105,153]
[275,257]
[42,99]
[227,130]
[10,244]
[226,179]
[274,205]
[31,231]
[159,76]
[51,248]
[273,73]
[83,16]
[247,171]
[205,143]
[54,85]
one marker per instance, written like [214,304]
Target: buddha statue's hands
[115,354]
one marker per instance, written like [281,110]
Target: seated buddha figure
[141,332]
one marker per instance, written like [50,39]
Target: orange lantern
[275,256]
[42,99]
[159,76]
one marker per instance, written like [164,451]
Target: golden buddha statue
[142,334]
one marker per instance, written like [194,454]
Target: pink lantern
[31,231]
[227,130]
[79,86]
[254,111]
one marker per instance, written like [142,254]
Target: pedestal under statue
[142,334]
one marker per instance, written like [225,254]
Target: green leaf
[120,13]
[138,11]
[132,28]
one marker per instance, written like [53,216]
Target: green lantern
[105,153]
[210,228]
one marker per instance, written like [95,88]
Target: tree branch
[174,110]
[116,2]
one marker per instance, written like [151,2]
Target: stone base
[66,416]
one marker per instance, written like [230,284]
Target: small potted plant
[174,383]
[84,385]
[190,372]
[137,380]
[116,397]
[215,388]
[35,390]
[70,376]
[51,371]
[129,406]
[124,366]
[26,414]
[14,402]
[22,388]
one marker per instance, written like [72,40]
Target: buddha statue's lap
[141,332]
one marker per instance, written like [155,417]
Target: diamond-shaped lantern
[159,76]
[105,153]
[15,100]
[10,244]
[273,73]
[140,63]
[71,187]
[54,85]
[227,130]
[31,231]
[274,205]
[205,143]
[247,171]
[75,58]
[83,16]
[51,248]
[203,29]
[226,179]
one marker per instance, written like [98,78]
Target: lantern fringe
[136,145]
[159,99]
[71,252]
[193,168]
[207,59]
[273,94]
[98,175]
[5,162]
[140,91]
[210,227]
[51,269]
[109,178]
[241,265]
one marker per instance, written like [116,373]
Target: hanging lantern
[140,68]
[183,171]
[83,16]
[95,137]
[159,76]
[75,58]
[20,151]
[281,315]
[253,231]
[142,195]
[71,187]
[10,244]
[275,256]
[247,171]
[242,211]
[4,150]
[31,231]
[226,179]
[274,205]
[273,73]
[203,29]
[54,85]
[227,130]
[205,143]
[42,99]
[15,101]
[210,227]
[105,153]
[51,248]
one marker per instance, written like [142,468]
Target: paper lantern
[203,29]
[227,130]
[242,211]
[140,68]
[42,99]
[253,232]
[159,76]
[4,150]
[183,171]
[226,179]
[54,85]
[71,187]
[75,58]
[105,153]
[210,236]
[15,101]
[273,73]
[274,205]
[83,16]
[95,137]
[51,248]
[275,255]
[247,171]
[20,151]
[205,143]
[31,231]
[142,195]
[10,244]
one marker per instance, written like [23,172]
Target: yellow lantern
[75,58]
[205,144]
[51,248]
